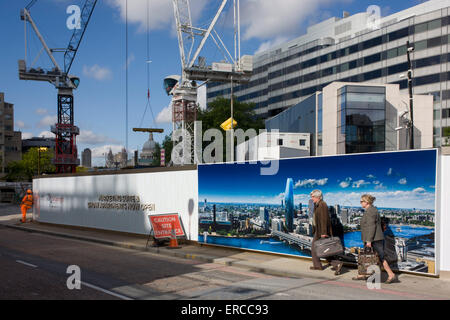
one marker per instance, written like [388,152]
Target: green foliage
[219,111]
[30,165]
[167,144]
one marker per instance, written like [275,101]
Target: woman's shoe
[359,278]
[392,280]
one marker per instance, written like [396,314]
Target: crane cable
[148,69]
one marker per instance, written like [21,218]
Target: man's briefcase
[327,247]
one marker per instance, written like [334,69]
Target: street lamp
[410,49]
[39,158]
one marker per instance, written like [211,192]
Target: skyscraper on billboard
[289,204]
[310,208]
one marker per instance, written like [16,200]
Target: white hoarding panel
[444,224]
[118,202]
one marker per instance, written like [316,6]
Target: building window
[446,131]
[302,142]
[361,124]
[280,142]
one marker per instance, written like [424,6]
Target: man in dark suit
[322,229]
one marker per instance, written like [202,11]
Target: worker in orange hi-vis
[27,203]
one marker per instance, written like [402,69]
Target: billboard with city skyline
[239,207]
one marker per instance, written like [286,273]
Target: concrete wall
[80,201]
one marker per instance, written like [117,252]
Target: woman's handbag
[367,257]
[327,247]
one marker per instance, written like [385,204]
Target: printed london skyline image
[239,207]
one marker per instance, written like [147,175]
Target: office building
[10,140]
[355,49]
[358,117]
[289,204]
[264,215]
[37,142]
[274,145]
[86,158]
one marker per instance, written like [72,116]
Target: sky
[397,180]
[101,63]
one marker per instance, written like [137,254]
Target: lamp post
[410,49]
[39,158]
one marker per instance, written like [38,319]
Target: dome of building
[149,148]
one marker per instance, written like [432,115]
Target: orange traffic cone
[173,239]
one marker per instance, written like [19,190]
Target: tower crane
[66,159]
[184,89]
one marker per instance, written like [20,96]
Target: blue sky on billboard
[101,62]
[397,180]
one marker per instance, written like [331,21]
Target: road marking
[26,263]
[117,295]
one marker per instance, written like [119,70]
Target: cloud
[89,137]
[27,135]
[47,121]
[346,183]
[41,111]
[21,125]
[389,172]
[99,152]
[165,116]
[417,198]
[130,59]
[98,73]
[360,183]
[263,19]
[403,181]
[310,183]
[46,134]
[371,176]
[271,43]
[161,12]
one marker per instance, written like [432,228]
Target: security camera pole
[411,129]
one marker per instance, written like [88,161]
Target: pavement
[271,264]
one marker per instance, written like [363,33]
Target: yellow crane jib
[227,125]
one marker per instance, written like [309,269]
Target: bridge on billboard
[304,243]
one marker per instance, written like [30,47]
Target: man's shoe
[315,268]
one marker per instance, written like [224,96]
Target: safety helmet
[29,191]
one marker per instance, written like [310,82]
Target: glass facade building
[361,121]
[346,50]
[349,117]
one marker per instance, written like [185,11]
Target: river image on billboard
[239,207]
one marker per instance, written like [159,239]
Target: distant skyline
[398,180]
[101,61]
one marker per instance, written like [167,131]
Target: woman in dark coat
[372,233]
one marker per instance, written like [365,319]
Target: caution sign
[163,224]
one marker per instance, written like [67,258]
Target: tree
[219,111]
[157,155]
[167,145]
[32,162]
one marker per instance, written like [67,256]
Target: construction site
[346,134]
